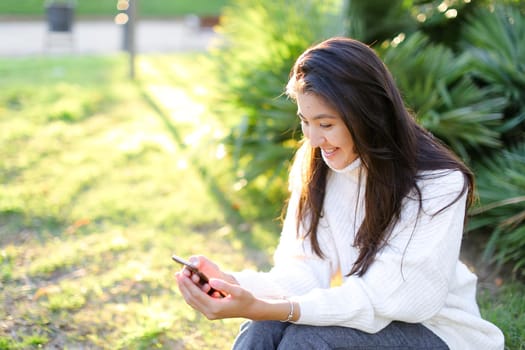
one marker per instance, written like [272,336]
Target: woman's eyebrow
[319,116]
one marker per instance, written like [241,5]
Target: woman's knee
[301,337]
[260,335]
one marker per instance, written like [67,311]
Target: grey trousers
[267,335]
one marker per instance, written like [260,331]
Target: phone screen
[203,278]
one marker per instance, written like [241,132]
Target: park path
[20,38]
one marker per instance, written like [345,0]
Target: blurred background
[103,26]
[132,130]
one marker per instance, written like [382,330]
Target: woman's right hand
[210,269]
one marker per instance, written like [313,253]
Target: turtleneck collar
[348,169]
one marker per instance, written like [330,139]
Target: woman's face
[324,128]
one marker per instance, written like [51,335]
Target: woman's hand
[237,303]
[206,269]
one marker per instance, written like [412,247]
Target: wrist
[283,310]
[294,311]
[290,316]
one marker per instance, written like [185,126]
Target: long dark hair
[392,147]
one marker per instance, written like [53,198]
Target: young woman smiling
[374,196]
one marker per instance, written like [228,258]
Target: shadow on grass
[16,227]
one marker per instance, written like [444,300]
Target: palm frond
[437,86]
[495,39]
[501,208]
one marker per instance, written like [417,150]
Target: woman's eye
[325,126]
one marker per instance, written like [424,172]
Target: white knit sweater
[416,278]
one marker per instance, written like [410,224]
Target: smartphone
[203,278]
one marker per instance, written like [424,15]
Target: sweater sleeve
[409,278]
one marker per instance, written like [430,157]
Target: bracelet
[290,314]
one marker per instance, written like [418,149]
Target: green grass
[506,307]
[107,8]
[102,180]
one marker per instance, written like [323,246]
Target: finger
[205,287]
[182,287]
[181,279]
[193,289]
[190,292]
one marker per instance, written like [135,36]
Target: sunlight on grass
[178,102]
[71,102]
[181,102]
[152,321]
[66,298]
[98,190]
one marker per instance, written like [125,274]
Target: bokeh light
[121,18]
[122,5]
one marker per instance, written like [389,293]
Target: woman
[373,196]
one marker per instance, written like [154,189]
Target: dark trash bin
[60,16]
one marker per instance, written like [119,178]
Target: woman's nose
[316,138]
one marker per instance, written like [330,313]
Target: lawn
[102,180]
[108,8]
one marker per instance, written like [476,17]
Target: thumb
[195,261]
[224,286]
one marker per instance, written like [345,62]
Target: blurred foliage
[501,192]
[436,84]
[262,41]
[371,21]
[442,21]
[459,65]
[495,39]
[374,21]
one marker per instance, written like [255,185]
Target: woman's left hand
[237,303]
